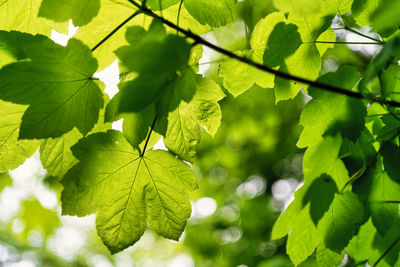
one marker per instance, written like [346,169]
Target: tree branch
[199,40]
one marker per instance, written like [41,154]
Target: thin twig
[343,42]
[116,29]
[179,14]
[359,33]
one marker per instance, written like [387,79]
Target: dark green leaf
[341,221]
[283,42]
[320,195]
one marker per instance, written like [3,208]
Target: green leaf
[323,159]
[327,257]
[13,152]
[55,153]
[339,224]
[387,55]
[166,58]
[320,195]
[239,77]
[12,45]
[283,42]
[112,13]
[303,238]
[356,156]
[129,191]
[298,7]
[80,11]
[390,80]
[336,6]
[36,217]
[369,244]
[378,192]
[136,125]
[361,244]
[57,84]
[306,61]
[391,157]
[386,16]
[20,15]
[215,13]
[319,162]
[331,112]
[184,123]
[363,9]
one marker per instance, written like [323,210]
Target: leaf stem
[137,12]
[368,143]
[199,40]
[359,33]
[343,42]
[386,251]
[355,175]
[179,14]
[148,136]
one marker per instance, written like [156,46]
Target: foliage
[51,100]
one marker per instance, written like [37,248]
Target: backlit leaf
[129,192]
[62,77]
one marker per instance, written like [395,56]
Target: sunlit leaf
[129,191]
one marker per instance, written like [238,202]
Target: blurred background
[247,175]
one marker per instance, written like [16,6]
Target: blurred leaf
[387,15]
[5,180]
[36,217]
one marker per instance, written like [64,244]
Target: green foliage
[348,203]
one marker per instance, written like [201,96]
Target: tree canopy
[309,94]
